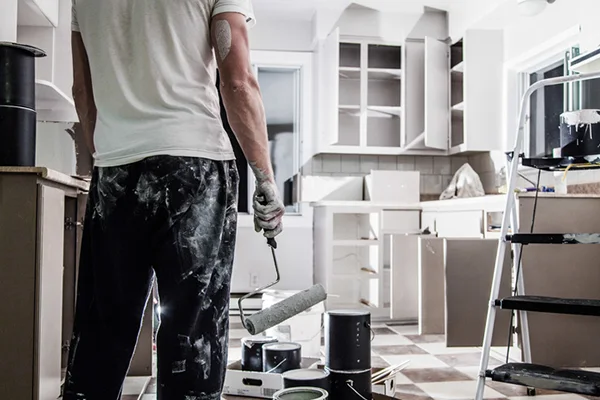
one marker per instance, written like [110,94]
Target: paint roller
[283,310]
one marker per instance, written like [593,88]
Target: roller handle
[271,242]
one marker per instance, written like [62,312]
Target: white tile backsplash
[332,163]
[424,165]
[405,163]
[442,165]
[431,184]
[457,162]
[368,163]
[388,163]
[351,163]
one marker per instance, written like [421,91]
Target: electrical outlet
[253,280]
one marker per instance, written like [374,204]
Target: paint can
[348,340]
[252,352]
[350,385]
[301,393]
[281,357]
[580,133]
[316,378]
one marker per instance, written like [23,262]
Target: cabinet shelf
[460,67]
[356,242]
[349,72]
[52,104]
[385,74]
[384,111]
[459,106]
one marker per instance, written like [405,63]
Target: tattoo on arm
[223,38]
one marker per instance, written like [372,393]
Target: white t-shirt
[153,75]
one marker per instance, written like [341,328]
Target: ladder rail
[512,174]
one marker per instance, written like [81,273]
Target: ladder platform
[554,238]
[562,163]
[551,305]
[543,377]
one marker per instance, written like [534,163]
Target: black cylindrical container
[318,378]
[17,104]
[580,133]
[350,385]
[252,352]
[17,74]
[348,340]
[281,357]
[17,137]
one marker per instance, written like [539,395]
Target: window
[548,103]
[280,89]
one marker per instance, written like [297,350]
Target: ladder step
[543,377]
[554,238]
[550,305]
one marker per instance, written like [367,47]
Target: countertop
[490,202]
[49,174]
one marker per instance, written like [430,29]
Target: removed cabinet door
[437,101]
[469,272]
[432,291]
[328,58]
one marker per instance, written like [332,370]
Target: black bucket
[252,352]
[580,133]
[281,357]
[350,385]
[316,378]
[348,340]
[17,104]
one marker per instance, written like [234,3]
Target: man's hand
[268,209]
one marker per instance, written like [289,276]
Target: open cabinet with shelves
[476,76]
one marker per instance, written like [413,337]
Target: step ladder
[527,374]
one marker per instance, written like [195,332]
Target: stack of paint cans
[348,354]
[267,354]
[252,352]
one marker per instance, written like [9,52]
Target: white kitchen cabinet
[358,261]
[476,76]
[54,73]
[360,96]
[426,95]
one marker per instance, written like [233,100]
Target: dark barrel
[318,378]
[17,104]
[252,352]
[580,133]
[348,340]
[350,385]
[281,357]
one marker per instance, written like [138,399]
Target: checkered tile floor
[435,372]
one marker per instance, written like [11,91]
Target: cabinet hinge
[70,223]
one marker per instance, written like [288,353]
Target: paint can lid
[348,313]
[284,346]
[250,340]
[305,374]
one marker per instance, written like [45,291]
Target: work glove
[268,209]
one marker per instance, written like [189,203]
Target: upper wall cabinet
[359,86]
[476,76]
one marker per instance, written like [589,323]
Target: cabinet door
[404,278]
[437,103]
[459,224]
[328,90]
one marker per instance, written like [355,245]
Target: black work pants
[173,217]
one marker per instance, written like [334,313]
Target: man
[164,188]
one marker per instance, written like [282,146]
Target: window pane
[280,92]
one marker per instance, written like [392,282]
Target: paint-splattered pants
[170,216]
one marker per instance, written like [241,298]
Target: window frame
[303,64]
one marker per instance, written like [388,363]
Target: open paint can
[281,357]
[350,385]
[318,378]
[301,393]
[348,340]
[252,352]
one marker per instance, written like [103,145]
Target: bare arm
[82,90]
[240,91]
[246,114]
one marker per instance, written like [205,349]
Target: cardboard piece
[256,384]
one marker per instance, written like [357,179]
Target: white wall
[282,34]
[54,148]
